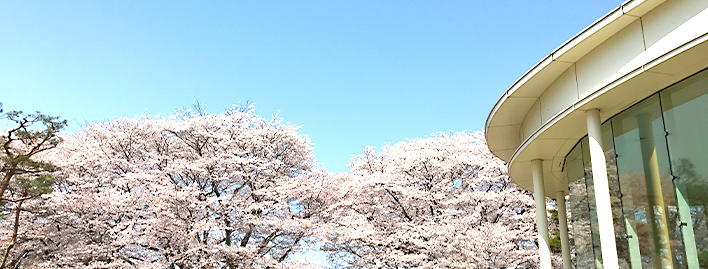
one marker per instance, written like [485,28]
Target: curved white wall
[636,50]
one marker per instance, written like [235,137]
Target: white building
[627,96]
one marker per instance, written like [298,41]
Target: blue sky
[353,73]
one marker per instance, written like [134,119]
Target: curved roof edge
[572,50]
[651,72]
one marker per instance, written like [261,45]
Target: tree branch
[15,228]
[403,209]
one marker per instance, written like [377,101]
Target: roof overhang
[651,71]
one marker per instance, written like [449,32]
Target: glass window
[590,186]
[615,199]
[685,108]
[648,199]
[656,154]
[579,209]
[623,249]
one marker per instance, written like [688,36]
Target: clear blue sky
[354,73]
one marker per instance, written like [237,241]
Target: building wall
[645,38]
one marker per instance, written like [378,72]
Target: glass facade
[657,167]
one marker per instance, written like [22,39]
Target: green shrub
[554,215]
[555,242]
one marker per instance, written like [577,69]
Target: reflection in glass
[623,250]
[590,186]
[615,199]
[685,108]
[657,168]
[579,210]
[648,199]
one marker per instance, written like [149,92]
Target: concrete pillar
[539,195]
[563,227]
[602,191]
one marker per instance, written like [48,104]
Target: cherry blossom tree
[437,202]
[235,190]
[193,190]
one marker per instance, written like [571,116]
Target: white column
[563,227]
[602,191]
[541,218]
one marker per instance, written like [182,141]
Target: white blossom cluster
[438,202]
[234,190]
